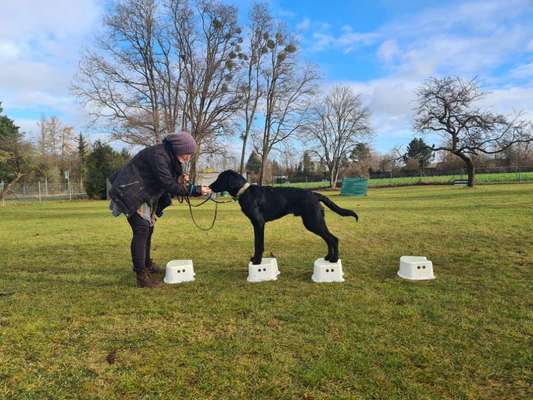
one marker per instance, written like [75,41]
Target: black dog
[265,203]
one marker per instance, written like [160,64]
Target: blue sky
[384,49]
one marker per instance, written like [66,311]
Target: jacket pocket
[131,196]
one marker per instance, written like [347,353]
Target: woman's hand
[185,179]
[205,190]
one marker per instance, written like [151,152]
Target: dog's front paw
[256,260]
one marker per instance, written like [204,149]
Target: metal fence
[399,177]
[516,171]
[43,191]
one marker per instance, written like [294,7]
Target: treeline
[59,157]
[363,161]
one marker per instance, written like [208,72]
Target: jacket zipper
[129,184]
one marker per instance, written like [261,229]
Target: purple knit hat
[181,143]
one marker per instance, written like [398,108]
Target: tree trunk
[243,153]
[193,165]
[9,185]
[263,166]
[333,174]
[470,170]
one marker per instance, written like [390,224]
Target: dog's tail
[334,207]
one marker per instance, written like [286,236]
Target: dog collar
[241,191]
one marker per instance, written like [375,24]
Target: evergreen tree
[307,164]
[253,165]
[101,164]
[82,156]
[15,154]
[418,150]
[360,153]
[10,142]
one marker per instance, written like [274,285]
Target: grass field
[503,177]
[73,325]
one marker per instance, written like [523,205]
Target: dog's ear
[235,174]
[226,179]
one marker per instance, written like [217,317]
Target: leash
[187,199]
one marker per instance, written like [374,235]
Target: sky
[383,49]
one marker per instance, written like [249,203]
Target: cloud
[388,50]
[522,71]
[481,16]
[303,25]
[471,39]
[510,99]
[345,41]
[9,50]
[40,47]
[55,20]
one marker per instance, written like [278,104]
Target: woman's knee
[140,226]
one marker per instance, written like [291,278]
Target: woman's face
[184,158]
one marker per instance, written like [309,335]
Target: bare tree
[208,50]
[447,106]
[289,87]
[55,146]
[161,65]
[338,124]
[128,80]
[251,86]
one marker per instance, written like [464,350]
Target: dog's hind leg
[316,224]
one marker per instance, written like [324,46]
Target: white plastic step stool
[266,271]
[178,271]
[325,271]
[415,268]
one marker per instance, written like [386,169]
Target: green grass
[489,178]
[68,301]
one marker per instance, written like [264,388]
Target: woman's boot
[153,268]
[144,280]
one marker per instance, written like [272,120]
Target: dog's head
[228,181]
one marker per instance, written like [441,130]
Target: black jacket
[151,176]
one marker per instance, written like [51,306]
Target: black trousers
[140,242]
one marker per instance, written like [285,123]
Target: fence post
[45,186]
[107,188]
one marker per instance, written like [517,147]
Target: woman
[144,187]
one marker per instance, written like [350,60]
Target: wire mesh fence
[399,177]
[43,191]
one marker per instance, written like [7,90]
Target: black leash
[209,198]
[187,199]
